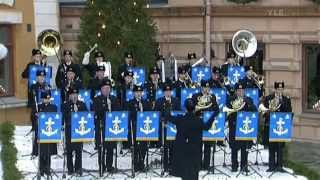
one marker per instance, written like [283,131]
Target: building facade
[288,34]
[20,24]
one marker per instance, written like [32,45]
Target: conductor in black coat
[102,104]
[275,148]
[187,146]
[247,105]
[72,105]
[205,102]
[46,149]
[164,104]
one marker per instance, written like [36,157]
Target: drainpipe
[208,30]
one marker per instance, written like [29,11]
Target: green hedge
[299,168]
[8,153]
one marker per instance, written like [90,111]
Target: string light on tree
[134,3]
[103,26]
[99,34]
[137,20]
[148,5]
[99,13]
[118,43]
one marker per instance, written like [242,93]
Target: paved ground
[306,153]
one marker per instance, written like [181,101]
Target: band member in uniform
[182,82]
[37,59]
[71,81]
[216,81]
[39,86]
[153,85]
[72,105]
[205,102]
[99,61]
[275,102]
[102,104]
[238,102]
[251,80]
[231,60]
[164,104]
[187,146]
[137,104]
[128,57]
[46,149]
[123,87]
[95,83]
[61,76]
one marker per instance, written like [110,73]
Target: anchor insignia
[48,130]
[280,129]
[213,130]
[116,127]
[82,128]
[147,126]
[245,129]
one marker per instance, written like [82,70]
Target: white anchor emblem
[245,129]
[146,126]
[115,127]
[48,131]
[82,127]
[214,130]
[280,129]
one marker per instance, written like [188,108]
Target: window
[256,60]
[6,64]
[311,75]
[159,1]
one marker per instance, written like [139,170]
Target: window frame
[305,66]
[10,46]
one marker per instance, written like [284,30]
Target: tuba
[244,44]
[49,42]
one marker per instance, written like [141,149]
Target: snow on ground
[28,166]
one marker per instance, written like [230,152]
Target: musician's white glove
[86,58]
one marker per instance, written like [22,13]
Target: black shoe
[280,169]
[111,169]
[234,169]
[79,172]
[270,169]
[70,172]
[246,170]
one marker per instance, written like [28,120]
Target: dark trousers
[77,165]
[140,151]
[206,155]
[45,163]
[275,155]
[107,155]
[234,157]
[168,154]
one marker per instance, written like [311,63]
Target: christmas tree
[118,26]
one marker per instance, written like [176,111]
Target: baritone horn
[49,42]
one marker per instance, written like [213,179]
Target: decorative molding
[11,17]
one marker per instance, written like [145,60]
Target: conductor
[186,161]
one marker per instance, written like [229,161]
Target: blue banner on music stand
[55,98]
[235,73]
[253,93]
[138,75]
[117,126]
[32,77]
[247,125]
[49,129]
[187,93]
[199,73]
[85,96]
[113,93]
[82,127]
[280,127]
[216,132]
[221,96]
[160,93]
[147,126]
[171,128]
[130,94]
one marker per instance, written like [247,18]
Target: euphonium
[274,104]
